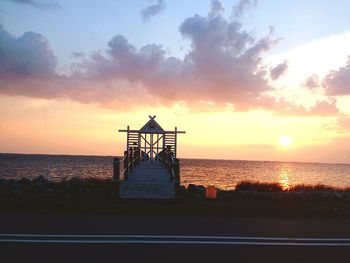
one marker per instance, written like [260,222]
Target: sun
[285,141]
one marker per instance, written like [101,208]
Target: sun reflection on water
[284,176]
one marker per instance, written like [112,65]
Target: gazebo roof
[152,126]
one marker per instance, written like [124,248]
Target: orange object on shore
[211,192]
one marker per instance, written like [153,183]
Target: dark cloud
[217,7]
[279,70]
[312,82]
[153,10]
[38,4]
[126,61]
[222,64]
[337,83]
[28,54]
[242,6]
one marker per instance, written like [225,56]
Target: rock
[40,181]
[75,179]
[24,180]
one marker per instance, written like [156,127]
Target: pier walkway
[148,180]
[149,168]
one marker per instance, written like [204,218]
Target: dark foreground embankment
[73,228]
[94,196]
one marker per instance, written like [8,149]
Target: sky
[246,79]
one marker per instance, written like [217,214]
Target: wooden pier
[149,168]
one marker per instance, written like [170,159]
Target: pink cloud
[223,67]
[279,70]
[337,83]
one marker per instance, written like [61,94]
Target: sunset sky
[247,80]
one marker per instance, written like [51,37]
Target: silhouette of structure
[150,165]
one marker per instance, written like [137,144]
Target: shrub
[258,187]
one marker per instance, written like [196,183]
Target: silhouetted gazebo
[152,139]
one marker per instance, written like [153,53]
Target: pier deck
[148,180]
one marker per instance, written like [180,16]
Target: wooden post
[127,137]
[144,159]
[151,147]
[131,160]
[137,156]
[177,169]
[140,147]
[157,147]
[126,165]
[175,146]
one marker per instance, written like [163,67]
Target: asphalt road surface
[109,238]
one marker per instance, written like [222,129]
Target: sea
[224,174]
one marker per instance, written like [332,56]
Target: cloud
[153,10]
[222,64]
[279,70]
[242,6]
[37,4]
[337,83]
[324,107]
[312,82]
[222,68]
[28,54]
[223,58]
[217,7]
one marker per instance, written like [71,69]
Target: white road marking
[175,237]
[170,242]
[168,239]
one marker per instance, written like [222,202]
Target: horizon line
[188,158]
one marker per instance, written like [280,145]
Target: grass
[316,188]
[258,187]
[276,187]
[250,199]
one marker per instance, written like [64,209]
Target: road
[107,238]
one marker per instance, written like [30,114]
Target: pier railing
[132,157]
[129,161]
[172,164]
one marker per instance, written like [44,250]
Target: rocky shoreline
[76,186]
[249,199]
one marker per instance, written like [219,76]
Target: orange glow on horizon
[66,127]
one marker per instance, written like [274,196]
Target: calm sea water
[221,173]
